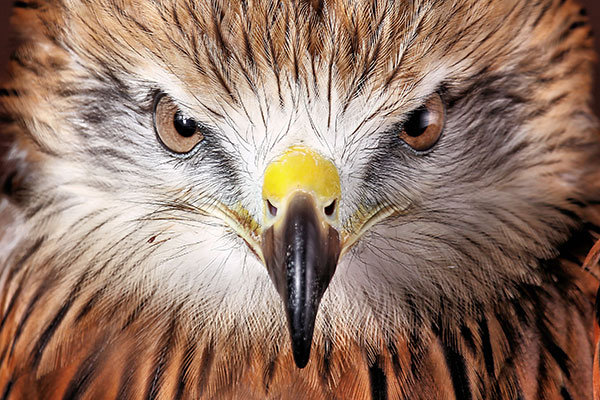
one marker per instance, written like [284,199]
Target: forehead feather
[355,45]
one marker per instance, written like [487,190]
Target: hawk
[285,199]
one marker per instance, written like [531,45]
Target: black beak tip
[301,351]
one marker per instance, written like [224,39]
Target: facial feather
[226,62]
[479,213]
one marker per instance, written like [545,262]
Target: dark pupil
[417,122]
[186,127]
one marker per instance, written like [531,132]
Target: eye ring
[423,127]
[175,131]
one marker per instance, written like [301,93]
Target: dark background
[593,7]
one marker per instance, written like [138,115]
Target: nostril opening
[330,209]
[272,209]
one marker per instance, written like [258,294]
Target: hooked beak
[301,256]
[301,247]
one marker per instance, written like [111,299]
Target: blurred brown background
[593,7]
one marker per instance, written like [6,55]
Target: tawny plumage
[211,199]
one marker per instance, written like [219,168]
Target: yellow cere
[300,168]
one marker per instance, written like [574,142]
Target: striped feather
[108,285]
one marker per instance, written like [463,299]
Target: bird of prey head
[284,172]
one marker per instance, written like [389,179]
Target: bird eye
[176,131]
[424,125]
